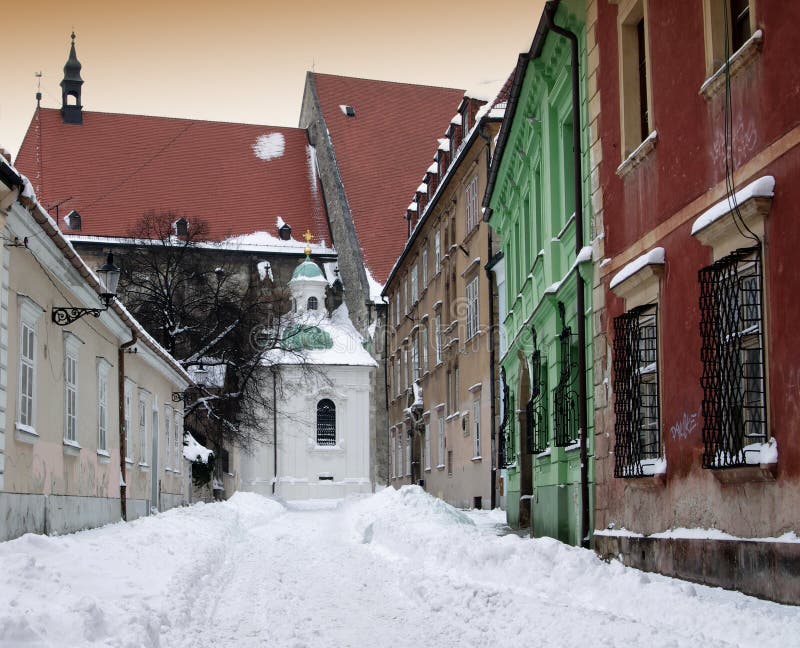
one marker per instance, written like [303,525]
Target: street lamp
[109,276]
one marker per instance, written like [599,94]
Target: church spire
[71,108]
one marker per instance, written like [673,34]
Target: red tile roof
[381,153]
[115,167]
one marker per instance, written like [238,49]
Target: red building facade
[699,175]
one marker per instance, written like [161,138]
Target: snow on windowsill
[572,447]
[656,256]
[25,433]
[544,453]
[477,458]
[755,454]
[638,154]
[652,467]
[764,187]
[737,61]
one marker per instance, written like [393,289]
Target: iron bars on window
[637,427]
[565,398]
[732,351]
[326,422]
[536,411]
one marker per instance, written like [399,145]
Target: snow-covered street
[395,569]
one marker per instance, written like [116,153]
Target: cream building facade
[72,396]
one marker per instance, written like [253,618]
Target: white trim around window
[29,314]
[103,372]
[72,346]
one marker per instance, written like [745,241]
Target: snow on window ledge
[638,155]
[738,61]
[72,448]
[103,456]
[653,467]
[25,433]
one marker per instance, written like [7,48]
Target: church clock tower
[71,108]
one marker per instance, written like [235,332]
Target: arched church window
[326,422]
[312,304]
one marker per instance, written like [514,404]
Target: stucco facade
[533,210]
[652,200]
[442,399]
[61,385]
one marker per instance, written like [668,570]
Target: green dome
[302,336]
[307,270]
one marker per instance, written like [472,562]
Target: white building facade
[320,441]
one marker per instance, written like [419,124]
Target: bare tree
[217,315]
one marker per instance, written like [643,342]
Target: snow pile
[761,188]
[654,466]
[193,451]
[375,288]
[270,146]
[753,454]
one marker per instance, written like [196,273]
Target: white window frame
[438,331]
[407,304]
[168,448]
[414,357]
[178,434]
[71,367]
[473,312]
[440,441]
[103,372]
[128,424]
[427,445]
[414,284]
[476,428]
[155,433]
[424,346]
[29,314]
[408,453]
[400,454]
[424,263]
[471,204]
[142,424]
[437,250]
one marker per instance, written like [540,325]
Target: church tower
[308,284]
[71,108]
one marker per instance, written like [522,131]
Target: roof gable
[380,151]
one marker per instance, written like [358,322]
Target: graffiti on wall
[684,426]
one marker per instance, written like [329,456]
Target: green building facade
[531,206]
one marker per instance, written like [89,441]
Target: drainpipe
[123,449]
[580,306]
[386,390]
[274,428]
[492,357]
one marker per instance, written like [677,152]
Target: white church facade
[320,441]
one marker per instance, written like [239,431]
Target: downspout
[274,429]
[580,306]
[123,446]
[386,391]
[492,357]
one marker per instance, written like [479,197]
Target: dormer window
[73,221]
[181,227]
[285,232]
[348,111]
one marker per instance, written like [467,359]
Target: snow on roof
[270,146]
[347,350]
[423,188]
[456,120]
[433,168]
[412,207]
[194,451]
[375,288]
[279,222]
[655,256]
[444,144]
[266,242]
[761,188]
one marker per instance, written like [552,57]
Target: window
[393,454]
[399,453]
[732,351]
[397,309]
[155,432]
[414,286]
[427,445]
[406,303]
[424,346]
[424,263]
[71,347]
[476,428]
[408,454]
[311,304]
[326,422]
[565,399]
[441,441]
[414,357]
[128,423]
[399,376]
[168,454]
[178,434]
[438,333]
[729,24]
[739,17]
[102,405]
[406,368]
[471,201]
[449,463]
[437,250]
[142,430]
[26,410]
[536,432]
[635,102]
[636,385]
[473,315]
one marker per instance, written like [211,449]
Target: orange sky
[243,60]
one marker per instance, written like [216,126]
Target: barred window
[636,385]
[537,435]
[326,422]
[503,437]
[565,399]
[732,350]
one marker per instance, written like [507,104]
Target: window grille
[565,399]
[732,351]
[326,422]
[312,304]
[636,385]
[536,411]
[502,451]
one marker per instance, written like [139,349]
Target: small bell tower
[71,108]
